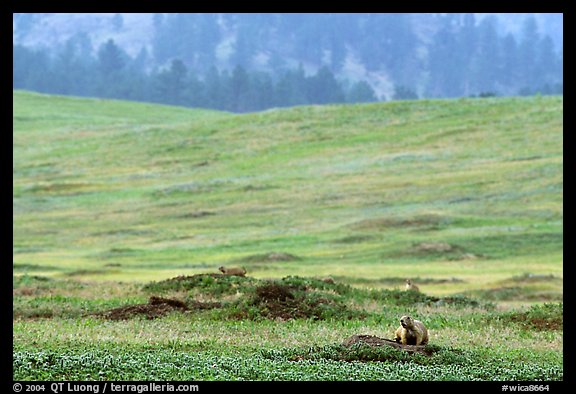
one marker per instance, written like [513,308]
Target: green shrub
[547,316]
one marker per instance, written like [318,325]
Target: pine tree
[171,84]
[111,62]
[69,75]
[527,53]
[509,71]
[404,93]
[111,58]
[361,92]
[467,41]
[443,64]
[214,90]
[546,62]
[324,89]
[291,89]
[487,57]
[208,38]
[239,88]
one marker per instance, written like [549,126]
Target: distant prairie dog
[233,271]
[411,286]
[411,332]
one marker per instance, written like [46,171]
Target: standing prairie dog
[411,332]
[411,286]
[233,271]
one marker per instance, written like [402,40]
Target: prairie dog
[411,286]
[233,271]
[411,332]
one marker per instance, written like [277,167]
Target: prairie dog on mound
[411,332]
[411,286]
[233,271]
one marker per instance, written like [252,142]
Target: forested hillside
[249,62]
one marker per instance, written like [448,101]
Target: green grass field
[111,199]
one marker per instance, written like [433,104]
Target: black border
[356,6]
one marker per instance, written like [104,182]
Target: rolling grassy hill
[459,188]
[116,203]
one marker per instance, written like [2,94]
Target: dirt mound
[422,221]
[271,257]
[195,215]
[212,284]
[276,301]
[156,307]
[167,301]
[274,292]
[438,247]
[279,301]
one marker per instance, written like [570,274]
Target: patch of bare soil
[434,247]
[156,307]
[375,341]
[278,302]
[468,256]
[195,215]
[392,222]
[25,291]
[274,292]
[354,239]
[271,257]
[539,323]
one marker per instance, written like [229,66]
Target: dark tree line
[114,74]
[442,55]
[250,62]
[467,58]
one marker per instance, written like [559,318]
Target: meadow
[117,204]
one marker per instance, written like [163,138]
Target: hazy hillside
[425,55]
[137,29]
[134,189]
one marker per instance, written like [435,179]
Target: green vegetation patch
[430,354]
[28,285]
[528,277]
[522,292]
[422,222]
[504,245]
[328,362]
[34,267]
[548,316]
[214,285]
[295,297]
[451,363]
[394,280]
[270,258]
[401,297]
